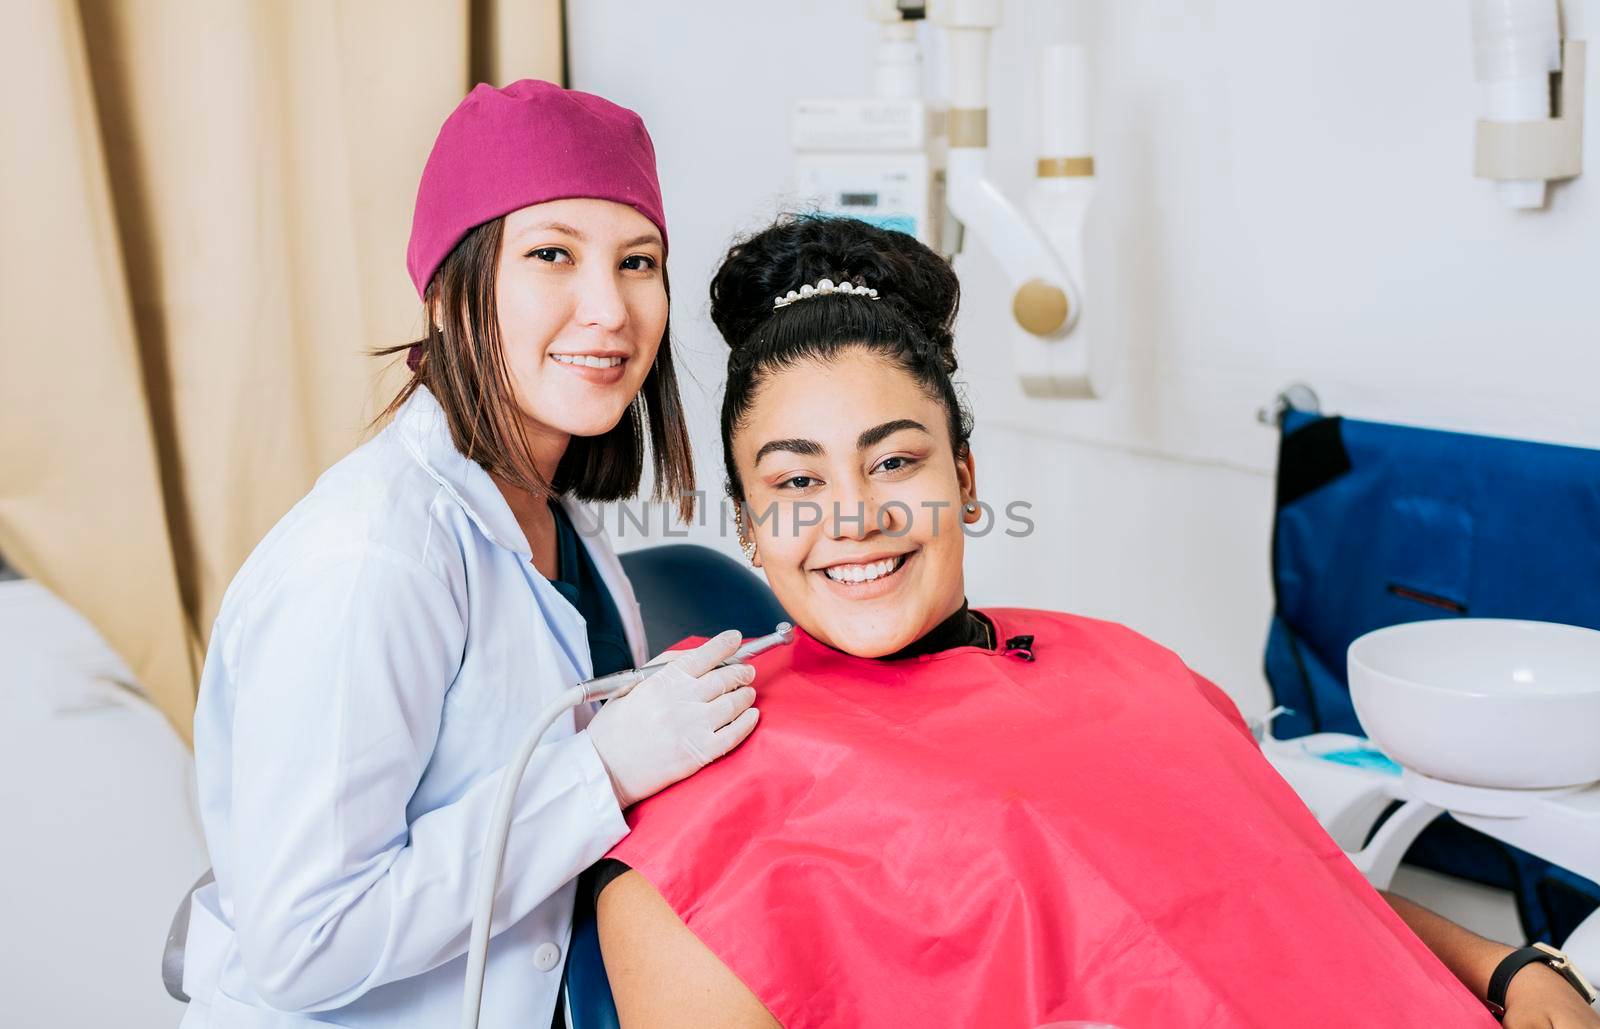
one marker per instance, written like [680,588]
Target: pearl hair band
[823,288]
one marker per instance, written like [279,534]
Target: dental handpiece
[608,687]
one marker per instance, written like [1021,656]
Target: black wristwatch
[1517,960]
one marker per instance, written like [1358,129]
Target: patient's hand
[661,975]
[1538,998]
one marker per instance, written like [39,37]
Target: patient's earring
[748,546]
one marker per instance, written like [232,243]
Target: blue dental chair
[683,590]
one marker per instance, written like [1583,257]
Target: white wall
[1285,194]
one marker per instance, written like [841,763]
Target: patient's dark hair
[909,324]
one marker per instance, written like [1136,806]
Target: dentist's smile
[602,368]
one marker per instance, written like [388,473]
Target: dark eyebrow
[809,447]
[646,240]
[879,433]
[561,227]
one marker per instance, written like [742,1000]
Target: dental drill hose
[605,687]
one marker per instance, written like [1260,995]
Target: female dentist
[377,658]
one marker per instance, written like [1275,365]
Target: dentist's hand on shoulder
[677,721]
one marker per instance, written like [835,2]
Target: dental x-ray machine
[902,162]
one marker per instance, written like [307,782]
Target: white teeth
[587,362]
[862,573]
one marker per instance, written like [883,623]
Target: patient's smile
[863,572]
[863,581]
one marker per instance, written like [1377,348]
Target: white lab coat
[374,664]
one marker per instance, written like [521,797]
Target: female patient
[955,817]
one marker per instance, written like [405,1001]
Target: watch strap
[1500,981]
[1517,960]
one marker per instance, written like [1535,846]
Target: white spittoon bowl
[1487,702]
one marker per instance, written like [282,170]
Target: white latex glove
[677,721]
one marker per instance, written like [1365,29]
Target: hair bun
[803,249]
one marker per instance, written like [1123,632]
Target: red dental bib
[969,838]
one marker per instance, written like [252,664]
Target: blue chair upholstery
[688,590]
[684,590]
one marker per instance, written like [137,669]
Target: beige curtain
[204,207]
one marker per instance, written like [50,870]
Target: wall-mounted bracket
[1549,149]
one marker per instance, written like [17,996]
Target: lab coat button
[546,957]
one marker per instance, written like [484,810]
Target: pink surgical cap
[504,149]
